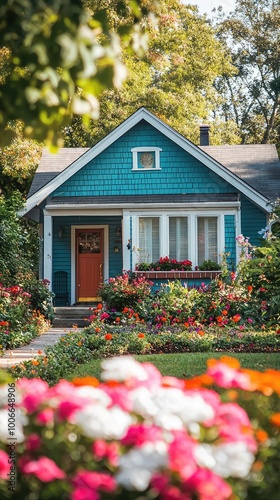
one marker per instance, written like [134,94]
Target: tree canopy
[57,57]
[174,80]
[252,94]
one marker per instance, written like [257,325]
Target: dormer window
[146,158]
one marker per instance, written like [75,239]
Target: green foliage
[174,80]
[251,95]
[19,322]
[209,265]
[80,347]
[125,291]
[58,58]
[19,242]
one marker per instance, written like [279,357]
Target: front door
[89,251]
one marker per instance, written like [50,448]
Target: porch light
[116,249]
[60,232]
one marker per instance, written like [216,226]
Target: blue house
[142,192]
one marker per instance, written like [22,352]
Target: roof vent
[204,135]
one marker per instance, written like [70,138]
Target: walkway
[30,351]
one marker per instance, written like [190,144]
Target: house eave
[142,114]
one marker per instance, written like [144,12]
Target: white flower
[123,368]
[233,459]
[226,459]
[142,402]
[96,421]
[138,465]
[188,408]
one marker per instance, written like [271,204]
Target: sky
[208,5]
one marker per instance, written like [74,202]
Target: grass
[185,365]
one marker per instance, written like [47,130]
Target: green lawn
[186,365]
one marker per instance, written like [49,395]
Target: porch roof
[167,199]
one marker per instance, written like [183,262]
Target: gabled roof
[54,170]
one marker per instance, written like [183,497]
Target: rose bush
[138,434]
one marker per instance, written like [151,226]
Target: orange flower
[97,329]
[141,335]
[118,319]
[39,352]
[236,318]
[249,288]
[80,381]
[199,381]
[108,336]
[186,324]
[35,362]
[99,306]
[275,419]
[220,319]
[224,312]
[261,436]
[201,333]
[163,319]
[125,310]
[79,343]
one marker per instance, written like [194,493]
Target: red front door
[89,251]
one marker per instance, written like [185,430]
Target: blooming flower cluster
[137,431]
[165,264]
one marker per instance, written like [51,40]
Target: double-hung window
[207,239]
[149,239]
[178,238]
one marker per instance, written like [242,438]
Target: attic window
[146,158]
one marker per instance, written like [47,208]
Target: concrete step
[66,317]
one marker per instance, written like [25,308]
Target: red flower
[108,336]
[141,335]
[4,323]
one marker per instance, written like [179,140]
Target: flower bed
[127,436]
[20,322]
[110,340]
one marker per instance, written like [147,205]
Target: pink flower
[138,434]
[179,460]
[44,469]
[227,377]
[101,449]
[34,392]
[91,481]
[33,442]
[46,416]
[4,465]
[208,485]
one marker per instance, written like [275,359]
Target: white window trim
[145,149]
[192,230]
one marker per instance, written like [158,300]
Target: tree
[174,80]
[57,57]
[252,95]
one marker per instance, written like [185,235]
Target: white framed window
[149,239]
[207,239]
[194,235]
[178,238]
[146,158]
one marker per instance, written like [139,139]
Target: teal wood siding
[252,221]
[110,173]
[62,246]
[230,241]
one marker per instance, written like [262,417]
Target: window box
[180,275]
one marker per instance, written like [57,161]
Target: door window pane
[89,242]
[207,239]
[178,238]
[148,239]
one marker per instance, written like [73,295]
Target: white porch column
[135,241]
[48,237]
[192,240]
[125,238]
